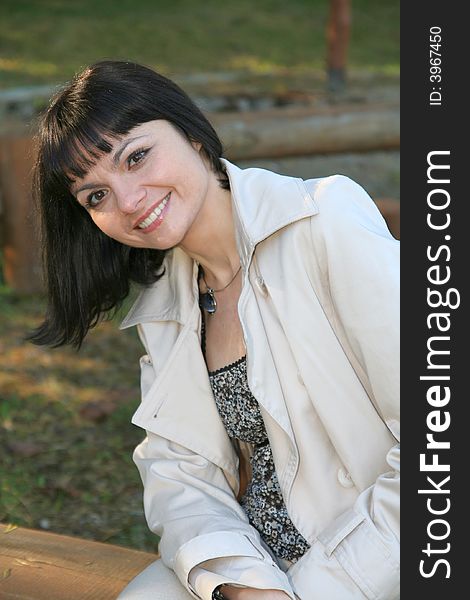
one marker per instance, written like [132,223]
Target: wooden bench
[38,565]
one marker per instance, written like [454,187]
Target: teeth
[155,213]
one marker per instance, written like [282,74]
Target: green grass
[46,41]
[59,469]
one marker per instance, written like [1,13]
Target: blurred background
[306,88]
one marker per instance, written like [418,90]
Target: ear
[196,145]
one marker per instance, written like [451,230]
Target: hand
[236,593]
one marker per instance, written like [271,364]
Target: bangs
[75,135]
[71,153]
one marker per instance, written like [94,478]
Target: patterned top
[262,500]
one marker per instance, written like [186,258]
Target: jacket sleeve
[360,264]
[205,536]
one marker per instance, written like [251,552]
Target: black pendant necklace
[208,302]
[207,299]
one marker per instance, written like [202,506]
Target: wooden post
[390,209]
[21,252]
[337,38]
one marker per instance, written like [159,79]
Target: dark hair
[88,274]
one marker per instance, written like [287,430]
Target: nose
[129,198]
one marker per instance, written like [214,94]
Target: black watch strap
[217,594]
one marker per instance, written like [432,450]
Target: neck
[211,240]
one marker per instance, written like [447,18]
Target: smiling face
[148,191]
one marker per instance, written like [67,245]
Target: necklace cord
[221,289]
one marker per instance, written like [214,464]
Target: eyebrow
[118,154]
[116,158]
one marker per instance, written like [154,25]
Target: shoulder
[342,202]
[339,193]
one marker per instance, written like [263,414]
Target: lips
[152,215]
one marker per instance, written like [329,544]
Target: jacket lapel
[172,297]
[179,404]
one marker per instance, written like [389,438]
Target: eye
[136,157]
[94,199]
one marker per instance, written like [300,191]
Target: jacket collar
[264,202]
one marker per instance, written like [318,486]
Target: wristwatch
[217,594]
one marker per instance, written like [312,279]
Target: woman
[269,314]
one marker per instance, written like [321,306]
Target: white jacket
[319,309]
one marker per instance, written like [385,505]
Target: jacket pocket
[365,557]
[332,537]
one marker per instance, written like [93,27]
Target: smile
[154,214]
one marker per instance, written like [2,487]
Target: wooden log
[20,230]
[291,132]
[38,565]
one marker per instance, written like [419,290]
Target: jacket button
[261,285]
[344,478]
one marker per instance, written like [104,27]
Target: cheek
[105,224]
